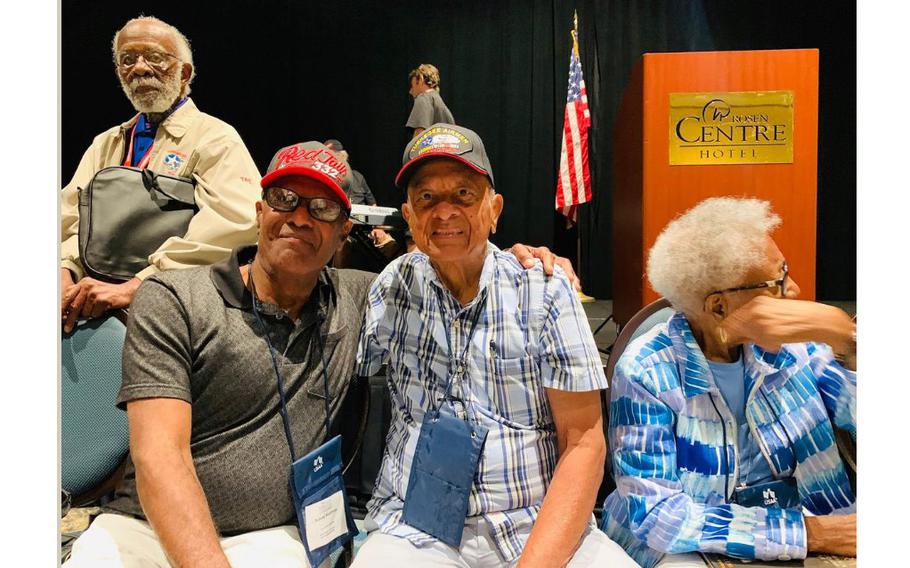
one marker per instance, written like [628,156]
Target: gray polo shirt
[192,336]
[429,109]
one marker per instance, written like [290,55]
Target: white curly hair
[710,247]
[184,51]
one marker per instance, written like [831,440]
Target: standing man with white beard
[169,135]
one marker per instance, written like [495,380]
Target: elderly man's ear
[406,212]
[348,225]
[497,211]
[185,73]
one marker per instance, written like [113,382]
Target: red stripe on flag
[586,182]
[570,156]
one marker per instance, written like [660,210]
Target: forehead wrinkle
[150,33]
[459,178]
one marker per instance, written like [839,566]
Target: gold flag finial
[574,33]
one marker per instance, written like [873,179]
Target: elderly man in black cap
[496,448]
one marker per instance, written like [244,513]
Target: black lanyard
[459,362]
[281,393]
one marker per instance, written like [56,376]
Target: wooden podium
[705,124]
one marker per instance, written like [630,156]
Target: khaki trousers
[478,551]
[121,541]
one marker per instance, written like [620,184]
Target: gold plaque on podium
[731,128]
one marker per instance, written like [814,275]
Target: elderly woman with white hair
[722,419]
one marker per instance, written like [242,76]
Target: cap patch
[440,139]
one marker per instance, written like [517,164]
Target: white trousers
[478,551]
[121,541]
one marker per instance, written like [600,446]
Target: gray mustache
[145,81]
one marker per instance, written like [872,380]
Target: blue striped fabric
[532,334]
[670,460]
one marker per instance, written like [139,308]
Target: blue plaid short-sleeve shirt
[532,334]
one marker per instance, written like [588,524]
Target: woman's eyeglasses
[777,282]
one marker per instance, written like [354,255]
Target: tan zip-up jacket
[189,143]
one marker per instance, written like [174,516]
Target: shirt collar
[226,278]
[486,275]
[143,125]
[177,123]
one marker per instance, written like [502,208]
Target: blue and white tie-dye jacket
[673,462]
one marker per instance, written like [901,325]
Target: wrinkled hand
[66,282]
[832,534]
[379,237]
[90,298]
[770,322]
[526,255]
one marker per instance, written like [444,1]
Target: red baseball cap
[316,161]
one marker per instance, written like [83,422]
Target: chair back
[646,318]
[374,416]
[654,313]
[94,434]
[846,447]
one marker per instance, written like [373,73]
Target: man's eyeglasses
[780,283]
[286,201]
[158,60]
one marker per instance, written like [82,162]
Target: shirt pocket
[516,396]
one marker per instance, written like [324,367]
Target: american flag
[573,186]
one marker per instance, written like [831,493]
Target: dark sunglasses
[286,201]
[780,282]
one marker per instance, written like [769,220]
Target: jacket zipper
[729,490]
[753,430]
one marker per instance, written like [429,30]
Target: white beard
[153,101]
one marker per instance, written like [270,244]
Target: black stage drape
[282,72]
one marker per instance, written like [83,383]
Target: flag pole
[585,299]
[581,294]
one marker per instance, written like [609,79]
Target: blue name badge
[442,472]
[782,494]
[321,502]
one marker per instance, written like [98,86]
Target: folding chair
[363,421]
[94,434]
[654,313]
[93,431]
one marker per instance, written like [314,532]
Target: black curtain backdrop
[282,72]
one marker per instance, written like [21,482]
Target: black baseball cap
[444,141]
